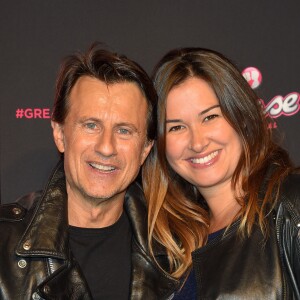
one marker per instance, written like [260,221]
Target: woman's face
[201,146]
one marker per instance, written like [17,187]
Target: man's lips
[205,160]
[102,167]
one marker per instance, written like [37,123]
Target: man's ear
[147,148]
[58,135]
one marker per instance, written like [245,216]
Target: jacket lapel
[147,280]
[46,234]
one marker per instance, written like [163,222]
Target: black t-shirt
[104,255]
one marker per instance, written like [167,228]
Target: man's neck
[87,214]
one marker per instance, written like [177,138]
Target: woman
[222,196]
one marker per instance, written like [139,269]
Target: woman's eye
[210,117]
[176,128]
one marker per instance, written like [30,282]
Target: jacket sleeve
[288,231]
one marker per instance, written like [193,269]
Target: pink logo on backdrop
[253,76]
[33,113]
[279,105]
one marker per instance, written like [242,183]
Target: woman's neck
[222,204]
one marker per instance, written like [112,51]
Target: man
[85,235]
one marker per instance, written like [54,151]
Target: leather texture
[230,267]
[36,261]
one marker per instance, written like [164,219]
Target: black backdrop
[37,34]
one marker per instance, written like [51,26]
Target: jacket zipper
[278,224]
[171,296]
[51,265]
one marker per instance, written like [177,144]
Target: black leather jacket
[35,259]
[233,268]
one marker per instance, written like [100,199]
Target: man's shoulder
[16,211]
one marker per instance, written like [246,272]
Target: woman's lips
[205,160]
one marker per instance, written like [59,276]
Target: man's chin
[102,197]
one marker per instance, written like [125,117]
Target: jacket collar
[143,267]
[135,208]
[46,234]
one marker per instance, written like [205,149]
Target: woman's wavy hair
[178,217]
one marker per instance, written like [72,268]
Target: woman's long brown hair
[178,217]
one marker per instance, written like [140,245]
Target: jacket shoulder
[16,211]
[290,192]
[288,226]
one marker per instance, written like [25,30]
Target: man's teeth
[204,160]
[102,167]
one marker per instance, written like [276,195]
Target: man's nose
[106,144]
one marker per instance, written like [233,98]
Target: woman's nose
[198,140]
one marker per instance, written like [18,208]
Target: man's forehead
[93,97]
[90,88]
[107,86]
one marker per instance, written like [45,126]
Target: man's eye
[176,128]
[90,125]
[123,131]
[210,117]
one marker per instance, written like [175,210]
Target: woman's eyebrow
[200,114]
[208,109]
[174,121]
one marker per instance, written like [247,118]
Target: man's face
[103,139]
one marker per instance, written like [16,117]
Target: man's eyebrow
[200,114]
[87,118]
